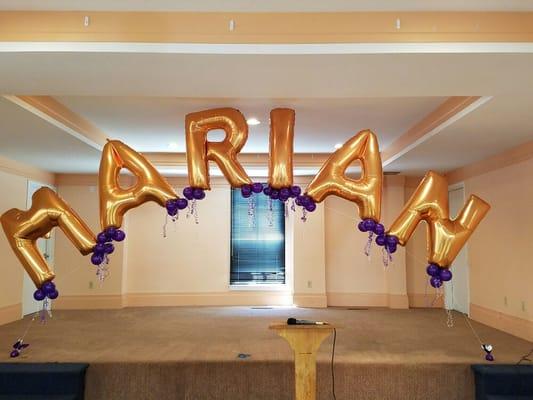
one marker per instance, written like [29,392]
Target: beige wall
[500,250]
[14,190]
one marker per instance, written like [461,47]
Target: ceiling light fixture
[253,121]
[338,146]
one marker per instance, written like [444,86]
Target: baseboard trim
[516,326]
[422,300]
[237,298]
[310,300]
[10,313]
[396,301]
[89,302]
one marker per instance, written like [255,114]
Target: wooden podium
[304,340]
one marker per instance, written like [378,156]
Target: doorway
[46,247]
[457,291]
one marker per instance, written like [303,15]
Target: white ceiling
[149,124]
[270,5]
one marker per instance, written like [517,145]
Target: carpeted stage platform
[192,353]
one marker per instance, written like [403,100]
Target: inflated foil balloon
[445,237]
[365,191]
[23,228]
[116,201]
[280,171]
[224,153]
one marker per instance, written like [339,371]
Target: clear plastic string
[304,215]
[368,246]
[270,214]
[251,211]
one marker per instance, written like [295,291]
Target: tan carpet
[191,353]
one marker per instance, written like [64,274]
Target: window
[258,244]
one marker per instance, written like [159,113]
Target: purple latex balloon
[99,248]
[445,274]
[110,232]
[283,198]
[304,199]
[361,226]
[172,212]
[380,240]
[101,238]
[198,193]
[14,353]
[311,206]
[392,240]
[17,345]
[39,295]
[274,194]
[119,235]
[109,248]
[246,195]
[246,190]
[296,190]
[257,187]
[370,224]
[48,287]
[267,190]
[489,357]
[171,205]
[182,203]
[97,259]
[433,270]
[187,193]
[379,229]
[53,295]
[392,248]
[285,192]
[435,282]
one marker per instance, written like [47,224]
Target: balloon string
[293,205]
[251,211]
[304,215]
[286,207]
[165,226]
[270,214]
[368,245]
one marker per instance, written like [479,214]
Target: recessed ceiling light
[338,146]
[173,145]
[253,121]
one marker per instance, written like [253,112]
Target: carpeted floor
[192,353]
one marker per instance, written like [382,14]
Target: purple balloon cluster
[248,190]
[438,275]
[17,348]
[104,245]
[191,193]
[390,242]
[48,289]
[173,205]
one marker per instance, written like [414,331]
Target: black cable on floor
[332,360]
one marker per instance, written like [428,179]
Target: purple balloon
[53,295]
[283,198]
[101,238]
[392,248]
[246,195]
[257,187]
[48,287]
[445,274]
[370,224]
[14,353]
[296,191]
[311,206]
[379,229]
[110,232]
[97,259]
[246,190]
[182,203]
[17,345]
[380,240]
[99,248]
[304,199]
[198,193]
[435,282]
[274,194]
[171,205]
[109,248]
[433,270]
[392,240]
[361,226]
[285,192]
[267,190]
[119,235]
[489,357]
[39,295]
[188,193]
[172,212]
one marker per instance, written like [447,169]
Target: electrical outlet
[505,301]
[309,284]
[523,306]
[91,284]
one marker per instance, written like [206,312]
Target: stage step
[503,382]
[50,381]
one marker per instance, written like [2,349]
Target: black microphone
[294,321]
